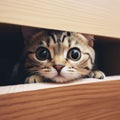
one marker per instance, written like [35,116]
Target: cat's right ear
[28,32]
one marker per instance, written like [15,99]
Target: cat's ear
[90,39]
[28,32]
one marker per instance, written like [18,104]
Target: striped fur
[61,47]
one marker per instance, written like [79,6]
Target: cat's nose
[58,67]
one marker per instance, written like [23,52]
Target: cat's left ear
[90,39]
[28,32]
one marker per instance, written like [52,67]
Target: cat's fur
[57,56]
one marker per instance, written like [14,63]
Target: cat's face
[59,56]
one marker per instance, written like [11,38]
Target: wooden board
[100,17]
[93,101]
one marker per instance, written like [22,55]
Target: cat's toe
[97,74]
[33,79]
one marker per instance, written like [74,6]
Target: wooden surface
[93,101]
[100,17]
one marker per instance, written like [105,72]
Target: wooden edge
[38,86]
[94,101]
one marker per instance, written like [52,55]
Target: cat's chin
[60,79]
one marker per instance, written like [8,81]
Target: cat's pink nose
[58,67]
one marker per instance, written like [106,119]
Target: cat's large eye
[74,54]
[43,53]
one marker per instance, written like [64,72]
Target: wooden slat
[100,17]
[93,101]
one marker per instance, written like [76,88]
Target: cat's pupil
[43,53]
[74,54]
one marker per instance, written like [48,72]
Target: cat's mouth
[61,75]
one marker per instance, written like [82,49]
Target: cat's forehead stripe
[69,42]
[63,38]
[53,37]
[58,37]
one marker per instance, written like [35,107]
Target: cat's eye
[43,53]
[74,54]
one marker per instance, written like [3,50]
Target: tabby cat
[56,56]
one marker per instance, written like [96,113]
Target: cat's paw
[97,74]
[33,79]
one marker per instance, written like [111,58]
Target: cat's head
[58,55]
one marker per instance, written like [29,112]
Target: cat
[56,56]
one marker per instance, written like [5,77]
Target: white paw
[97,74]
[33,79]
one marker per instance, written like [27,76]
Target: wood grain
[100,17]
[93,101]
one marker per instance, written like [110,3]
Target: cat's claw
[97,74]
[33,79]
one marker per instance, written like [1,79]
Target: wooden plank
[93,101]
[100,17]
